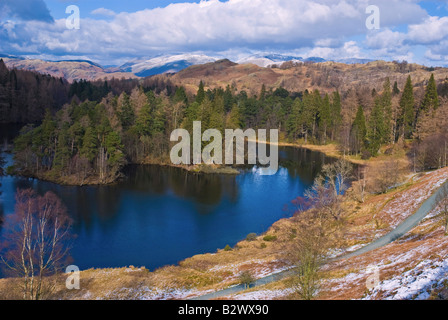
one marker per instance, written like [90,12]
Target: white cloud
[385,38]
[349,49]
[103,12]
[215,26]
[432,30]
[431,33]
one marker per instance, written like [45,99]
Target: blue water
[159,216]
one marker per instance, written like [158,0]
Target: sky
[112,32]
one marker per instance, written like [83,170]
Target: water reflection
[161,215]
[202,189]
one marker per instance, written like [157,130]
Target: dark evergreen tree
[386,104]
[395,90]
[406,119]
[431,99]
[200,96]
[336,114]
[358,132]
[377,132]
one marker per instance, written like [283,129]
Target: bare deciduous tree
[309,253]
[338,173]
[360,185]
[325,193]
[38,235]
[319,227]
[384,175]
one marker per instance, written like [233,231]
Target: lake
[158,216]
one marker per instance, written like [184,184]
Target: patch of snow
[133,270]
[404,204]
[193,59]
[263,294]
[146,293]
[413,284]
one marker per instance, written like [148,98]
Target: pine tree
[324,117]
[114,148]
[294,123]
[217,116]
[62,154]
[307,115]
[144,121]
[316,105]
[425,114]
[126,112]
[47,139]
[180,96]
[48,129]
[386,102]
[200,96]
[75,135]
[377,128]
[191,115]
[89,149]
[336,114]
[395,90]
[158,117]
[205,113]
[228,99]
[233,119]
[431,99]
[263,92]
[358,132]
[406,120]
[4,73]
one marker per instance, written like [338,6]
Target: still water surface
[159,215]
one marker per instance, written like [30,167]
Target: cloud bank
[323,28]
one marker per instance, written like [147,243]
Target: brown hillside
[70,70]
[326,76]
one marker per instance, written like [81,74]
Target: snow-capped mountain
[268,59]
[144,67]
[165,64]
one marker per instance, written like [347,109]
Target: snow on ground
[340,251]
[146,293]
[407,269]
[263,294]
[413,284]
[405,203]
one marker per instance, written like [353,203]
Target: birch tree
[38,242]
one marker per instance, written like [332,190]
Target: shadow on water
[205,189]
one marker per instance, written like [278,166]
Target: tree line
[108,124]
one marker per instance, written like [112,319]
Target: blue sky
[57,7]
[116,31]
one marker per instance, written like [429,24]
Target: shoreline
[329,150]
[193,266]
[68,181]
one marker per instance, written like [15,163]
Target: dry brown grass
[326,76]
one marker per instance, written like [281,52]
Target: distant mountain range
[164,64]
[88,70]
